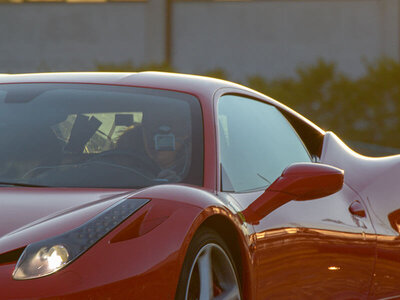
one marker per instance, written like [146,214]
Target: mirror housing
[300,182]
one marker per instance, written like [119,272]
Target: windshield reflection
[80,135]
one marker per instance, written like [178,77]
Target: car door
[383,200]
[322,248]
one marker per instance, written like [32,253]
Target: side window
[256,144]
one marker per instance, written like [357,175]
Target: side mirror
[299,181]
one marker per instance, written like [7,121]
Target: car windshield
[89,135]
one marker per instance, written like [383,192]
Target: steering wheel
[32,173]
[135,161]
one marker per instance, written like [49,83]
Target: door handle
[357,209]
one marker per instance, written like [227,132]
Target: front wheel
[208,271]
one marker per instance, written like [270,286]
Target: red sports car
[166,186]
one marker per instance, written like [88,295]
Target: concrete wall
[269,38]
[273,37]
[59,36]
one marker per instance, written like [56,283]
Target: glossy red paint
[307,181]
[321,247]
[376,182]
[300,181]
[134,256]
[143,268]
[33,214]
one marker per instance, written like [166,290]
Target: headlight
[46,257]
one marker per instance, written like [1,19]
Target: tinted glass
[84,135]
[256,144]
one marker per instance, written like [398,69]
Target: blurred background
[334,61]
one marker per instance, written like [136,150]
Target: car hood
[28,215]
[31,214]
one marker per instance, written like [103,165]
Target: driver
[162,143]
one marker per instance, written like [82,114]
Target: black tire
[207,245]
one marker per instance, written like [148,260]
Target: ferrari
[157,185]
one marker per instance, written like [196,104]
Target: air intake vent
[11,256]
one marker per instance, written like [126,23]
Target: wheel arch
[238,246]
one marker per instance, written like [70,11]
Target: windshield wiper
[6,183]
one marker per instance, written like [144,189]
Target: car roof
[200,86]
[192,84]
